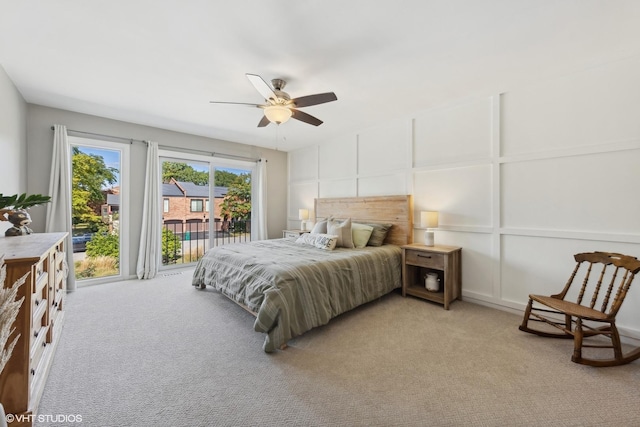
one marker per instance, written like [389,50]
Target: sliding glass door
[99,209]
[205,203]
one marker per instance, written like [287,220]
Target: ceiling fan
[279,106]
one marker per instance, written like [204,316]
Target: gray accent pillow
[342,230]
[378,234]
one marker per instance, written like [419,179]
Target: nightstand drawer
[425,259]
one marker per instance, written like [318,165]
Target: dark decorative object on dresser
[13,209]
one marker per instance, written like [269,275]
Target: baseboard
[627,335]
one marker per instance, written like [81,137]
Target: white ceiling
[160,62]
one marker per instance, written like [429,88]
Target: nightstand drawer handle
[424,256]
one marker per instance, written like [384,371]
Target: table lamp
[429,220]
[303,216]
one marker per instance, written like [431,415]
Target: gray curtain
[59,210]
[259,206]
[150,253]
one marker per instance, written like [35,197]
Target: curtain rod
[208,153]
[102,136]
[131,141]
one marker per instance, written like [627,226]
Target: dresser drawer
[60,264]
[57,305]
[39,319]
[39,272]
[37,346]
[40,283]
[425,259]
[39,302]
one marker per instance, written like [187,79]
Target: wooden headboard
[396,210]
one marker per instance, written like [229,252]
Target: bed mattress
[292,288]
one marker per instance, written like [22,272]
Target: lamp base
[429,238]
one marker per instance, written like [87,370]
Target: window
[210,205]
[99,209]
[165,205]
[196,205]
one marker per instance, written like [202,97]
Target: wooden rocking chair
[594,317]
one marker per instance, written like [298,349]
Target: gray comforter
[292,287]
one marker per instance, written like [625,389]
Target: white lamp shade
[303,214]
[429,219]
[277,113]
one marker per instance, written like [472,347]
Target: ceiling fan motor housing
[278,85]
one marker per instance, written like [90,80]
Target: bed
[291,286]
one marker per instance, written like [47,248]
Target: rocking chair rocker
[593,318]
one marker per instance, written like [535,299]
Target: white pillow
[361,234]
[342,229]
[320,241]
[320,227]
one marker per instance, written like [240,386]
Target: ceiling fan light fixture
[277,113]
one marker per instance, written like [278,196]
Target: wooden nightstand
[418,260]
[293,233]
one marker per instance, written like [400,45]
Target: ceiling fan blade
[304,117]
[263,122]
[262,87]
[234,103]
[319,98]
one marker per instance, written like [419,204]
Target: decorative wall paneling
[383,184]
[522,180]
[338,187]
[301,195]
[338,158]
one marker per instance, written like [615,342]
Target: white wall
[13,141]
[40,147]
[522,180]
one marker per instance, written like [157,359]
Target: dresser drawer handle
[37,302]
[424,256]
[35,334]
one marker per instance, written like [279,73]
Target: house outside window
[165,205]
[197,205]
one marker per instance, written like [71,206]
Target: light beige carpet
[161,353]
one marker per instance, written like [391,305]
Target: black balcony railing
[186,242]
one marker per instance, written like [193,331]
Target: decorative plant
[15,202]
[9,308]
